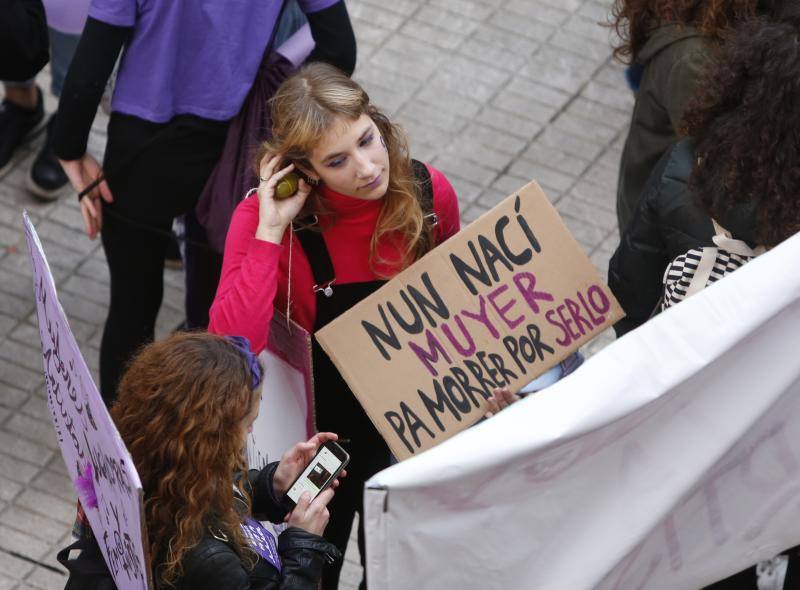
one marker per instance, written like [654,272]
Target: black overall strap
[317,252]
[318,258]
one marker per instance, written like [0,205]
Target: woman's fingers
[268,165]
[89,212]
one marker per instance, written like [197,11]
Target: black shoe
[47,178]
[17,126]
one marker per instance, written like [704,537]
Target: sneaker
[47,178]
[17,126]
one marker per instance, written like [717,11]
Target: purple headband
[242,344]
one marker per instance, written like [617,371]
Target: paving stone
[48,505]
[446,20]
[39,432]
[472,171]
[438,96]
[22,355]
[7,583]
[568,41]
[37,525]
[12,397]
[491,197]
[498,57]
[543,175]
[82,308]
[542,12]
[500,38]
[595,195]
[443,120]
[404,7]
[475,151]
[24,449]
[14,567]
[556,159]
[22,543]
[570,144]
[532,89]
[376,14]
[7,323]
[369,32]
[591,130]
[20,377]
[588,28]
[55,483]
[509,123]
[523,106]
[574,207]
[526,27]
[471,214]
[45,579]
[594,111]
[609,96]
[508,183]
[474,10]
[424,31]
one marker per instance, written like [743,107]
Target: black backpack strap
[318,257]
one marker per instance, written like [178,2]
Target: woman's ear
[306,169]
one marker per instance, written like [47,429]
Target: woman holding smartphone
[185,407]
[363,212]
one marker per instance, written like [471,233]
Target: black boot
[47,178]
[17,126]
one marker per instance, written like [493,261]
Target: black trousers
[156,172]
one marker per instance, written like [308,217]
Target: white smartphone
[326,465]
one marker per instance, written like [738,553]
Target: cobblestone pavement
[492,92]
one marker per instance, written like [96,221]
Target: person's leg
[203,269]
[21,119]
[136,265]
[47,179]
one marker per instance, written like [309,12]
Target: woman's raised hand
[312,516]
[274,216]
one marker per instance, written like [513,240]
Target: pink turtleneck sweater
[255,273]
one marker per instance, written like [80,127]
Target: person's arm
[445,205]
[24,48]
[637,266]
[335,41]
[243,305]
[84,85]
[681,83]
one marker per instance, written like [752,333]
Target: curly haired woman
[740,167]
[185,407]
[668,41]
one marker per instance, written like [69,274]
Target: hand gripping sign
[498,304]
[97,460]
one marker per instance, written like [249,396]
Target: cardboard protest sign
[498,304]
[89,441]
[287,397]
[671,460]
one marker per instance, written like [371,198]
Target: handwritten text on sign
[87,436]
[498,304]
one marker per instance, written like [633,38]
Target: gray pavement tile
[20,377]
[376,14]
[41,527]
[9,489]
[543,175]
[12,397]
[478,11]
[24,449]
[55,483]
[45,579]
[32,429]
[14,567]
[22,355]
[7,583]
[517,24]
[508,123]
[49,505]
[427,32]
[22,543]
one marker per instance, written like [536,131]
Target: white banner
[89,441]
[670,460]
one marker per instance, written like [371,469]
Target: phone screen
[316,475]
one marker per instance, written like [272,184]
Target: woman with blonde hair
[363,212]
[185,407]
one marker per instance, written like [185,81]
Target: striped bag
[699,267]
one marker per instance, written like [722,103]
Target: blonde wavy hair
[303,109]
[180,410]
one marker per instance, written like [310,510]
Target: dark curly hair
[635,20]
[745,119]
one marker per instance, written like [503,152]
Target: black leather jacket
[666,224]
[214,565]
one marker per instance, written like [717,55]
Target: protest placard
[92,449]
[286,415]
[498,304]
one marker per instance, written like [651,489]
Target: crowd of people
[711,160]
